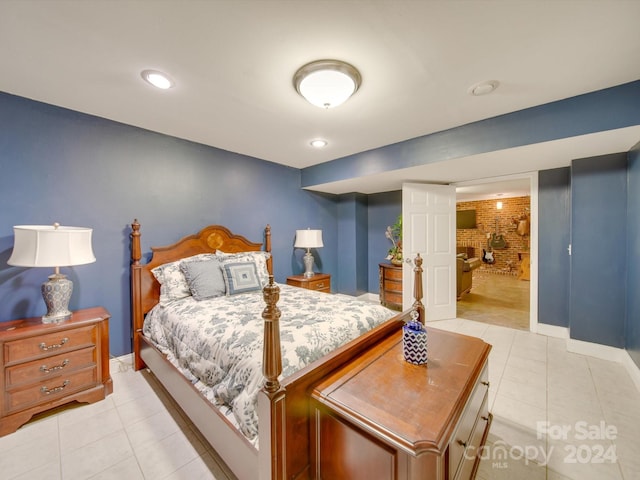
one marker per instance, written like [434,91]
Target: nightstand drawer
[320,284]
[44,368]
[49,344]
[47,390]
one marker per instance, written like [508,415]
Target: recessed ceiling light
[318,143]
[483,88]
[327,83]
[157,79]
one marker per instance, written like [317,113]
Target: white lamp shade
[308,239]
[51,246]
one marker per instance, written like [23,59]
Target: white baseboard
[604,352]
[552,331]
[632,368]
[369,297]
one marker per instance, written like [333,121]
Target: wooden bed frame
[284,407]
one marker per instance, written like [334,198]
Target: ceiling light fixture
[157,79]
[327,83]
[318,143]
[483,88]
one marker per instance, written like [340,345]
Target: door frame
[533,248]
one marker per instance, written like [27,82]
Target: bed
[267,424]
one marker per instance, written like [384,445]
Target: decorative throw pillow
[241,277]
[259,258]
[204,278]
[173,284]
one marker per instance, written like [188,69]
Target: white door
[429,228]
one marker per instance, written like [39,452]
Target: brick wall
[490,220]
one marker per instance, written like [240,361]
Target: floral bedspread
[217,343]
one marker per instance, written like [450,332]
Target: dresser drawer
[49,344]
[393,274]
[44,368]
[33,394]
[461,439]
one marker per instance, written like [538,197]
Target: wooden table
[383,418]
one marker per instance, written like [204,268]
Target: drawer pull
[44,347]
[486,384]
[49,391]
[462,444]
[45,369]
[319,285]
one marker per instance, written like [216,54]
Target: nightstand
[47,365]
[320,282]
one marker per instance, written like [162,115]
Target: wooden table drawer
[462,437]
[49,344]
[473,447]
[25,397]
[44,368]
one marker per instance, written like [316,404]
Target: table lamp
[308,239]
[52,246]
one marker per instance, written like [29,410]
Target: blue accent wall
[80,170]
[598,111]
[599,249]
[351,277]
[632,327]
[60,165]
[383,211]
[554,225]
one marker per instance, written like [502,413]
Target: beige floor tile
[48,471]
[21,458]
[95,457]
[164,457]
[152,429]
[127,469]
[74,435]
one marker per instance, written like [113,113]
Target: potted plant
[394,233]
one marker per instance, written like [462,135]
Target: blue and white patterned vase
[414,343]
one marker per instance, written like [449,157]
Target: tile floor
[554,418]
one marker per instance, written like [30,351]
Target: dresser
[391,286]
[48,365]
[384,418]
[320,282]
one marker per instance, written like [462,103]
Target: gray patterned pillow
[173,284]
[259,258]
[241,277]
[204,278]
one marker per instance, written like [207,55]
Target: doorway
[500,247]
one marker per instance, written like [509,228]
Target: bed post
[417,289]
[267,248]
[136,301]
[271,398]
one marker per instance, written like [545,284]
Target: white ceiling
[233,62]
